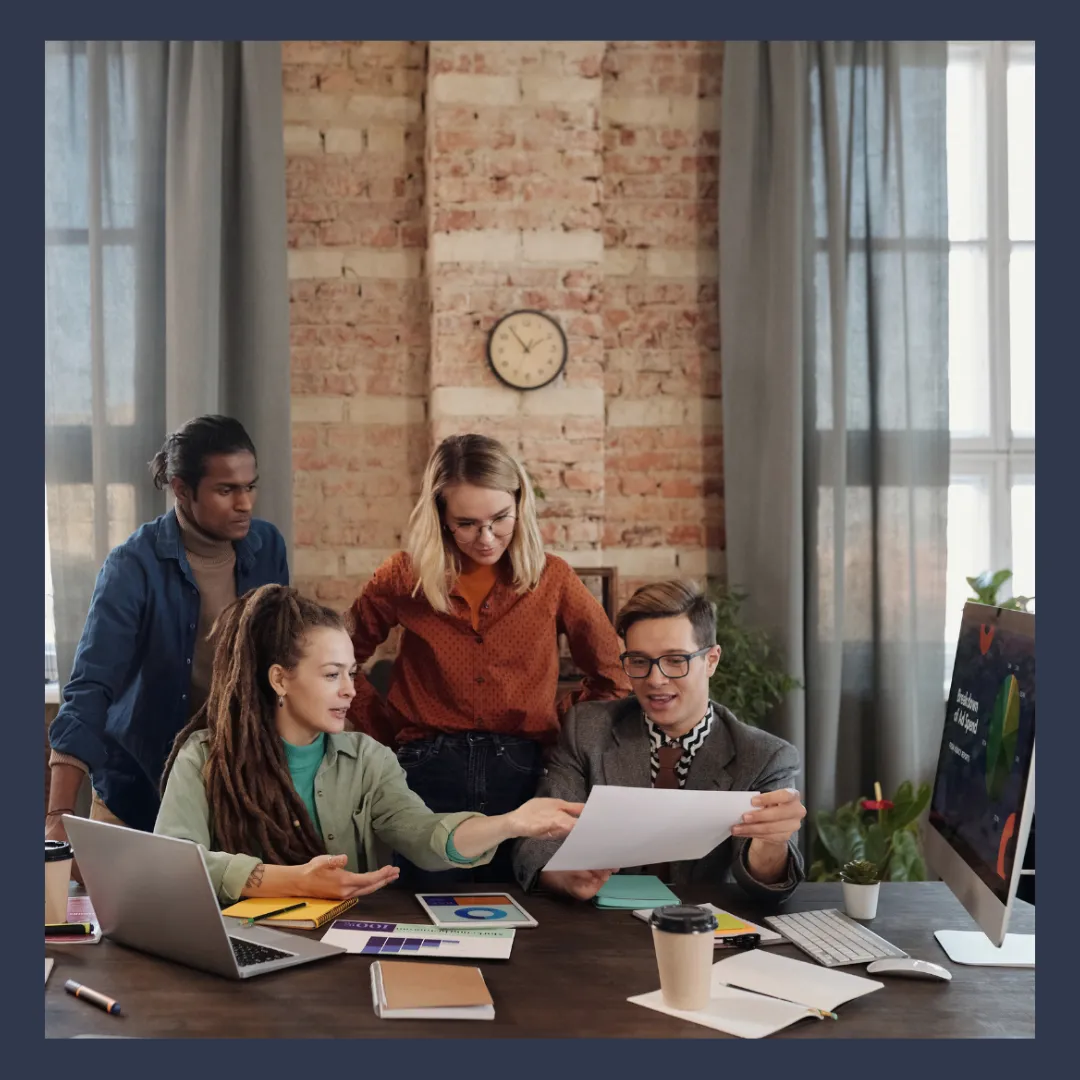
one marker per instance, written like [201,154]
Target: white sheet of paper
[629,826]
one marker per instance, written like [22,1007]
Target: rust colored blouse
[500,676]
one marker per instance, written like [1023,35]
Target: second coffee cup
[58,858]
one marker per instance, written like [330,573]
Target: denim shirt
[127,697]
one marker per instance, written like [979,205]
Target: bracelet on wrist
[62,810]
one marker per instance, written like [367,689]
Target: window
[991,177]
[92,389]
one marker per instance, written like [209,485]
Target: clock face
[527,349]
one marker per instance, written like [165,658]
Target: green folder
[633,891]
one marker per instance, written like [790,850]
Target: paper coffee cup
[683,938]
[58,858]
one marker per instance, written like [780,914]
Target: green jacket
[363,801]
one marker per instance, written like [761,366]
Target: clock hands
[520,342]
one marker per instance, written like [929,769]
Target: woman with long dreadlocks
[282,799]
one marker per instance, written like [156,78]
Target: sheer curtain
[834,301]
[166,286]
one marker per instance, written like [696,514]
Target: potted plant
[881,831]
[986,585]
[862,881]
[749,679]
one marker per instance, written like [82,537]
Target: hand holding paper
[626,826]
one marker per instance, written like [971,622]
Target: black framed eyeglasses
[671,665]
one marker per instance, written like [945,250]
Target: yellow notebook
[311,916]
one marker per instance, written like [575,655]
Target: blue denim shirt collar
[170,546]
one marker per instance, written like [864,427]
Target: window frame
[1000,458]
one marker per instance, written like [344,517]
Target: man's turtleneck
[213,564]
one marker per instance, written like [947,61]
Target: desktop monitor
[984,789]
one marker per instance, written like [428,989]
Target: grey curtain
[166,285]
[834,302]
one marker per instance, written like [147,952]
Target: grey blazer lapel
[708,770]
[626,756]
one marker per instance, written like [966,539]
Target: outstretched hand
[325,877]
[544,819]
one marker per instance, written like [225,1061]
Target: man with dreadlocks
[282,799]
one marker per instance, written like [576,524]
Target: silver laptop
[154,894]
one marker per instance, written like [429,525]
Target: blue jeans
[491,774]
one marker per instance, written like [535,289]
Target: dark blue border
[1057,383]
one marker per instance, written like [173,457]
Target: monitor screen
[987,745]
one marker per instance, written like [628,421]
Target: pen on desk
[266,914]
[825,1013]
[56,929]
[84,993]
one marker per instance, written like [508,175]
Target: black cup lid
[683,919]
[56,850]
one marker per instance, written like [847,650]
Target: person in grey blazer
[670,734]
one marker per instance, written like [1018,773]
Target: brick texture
[354,139]
[434,187]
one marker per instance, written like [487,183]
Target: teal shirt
[304,762]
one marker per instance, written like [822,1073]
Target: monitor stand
[974,947]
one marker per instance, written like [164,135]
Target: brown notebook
[414,989]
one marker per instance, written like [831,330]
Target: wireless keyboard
[832,938]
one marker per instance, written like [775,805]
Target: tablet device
[475,911]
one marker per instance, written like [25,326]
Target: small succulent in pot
[860,872]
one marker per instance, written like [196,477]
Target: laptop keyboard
[832,938]
[248,954]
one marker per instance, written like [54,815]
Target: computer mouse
[909,968]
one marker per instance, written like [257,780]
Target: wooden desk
[568,977]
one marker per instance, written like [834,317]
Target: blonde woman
[472,699]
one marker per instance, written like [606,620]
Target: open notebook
[757,993]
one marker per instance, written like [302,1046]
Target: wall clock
[526,349]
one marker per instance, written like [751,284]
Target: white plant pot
[860,901]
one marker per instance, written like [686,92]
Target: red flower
[876,804]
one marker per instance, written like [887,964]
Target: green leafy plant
[881,831]
[749,679]
[986,586]
[860,872]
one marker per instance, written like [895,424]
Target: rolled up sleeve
[400,818]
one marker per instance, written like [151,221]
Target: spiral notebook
[311,916]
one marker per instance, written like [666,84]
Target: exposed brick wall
[514,179]
[661,117]
[433,187]
[354,140]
